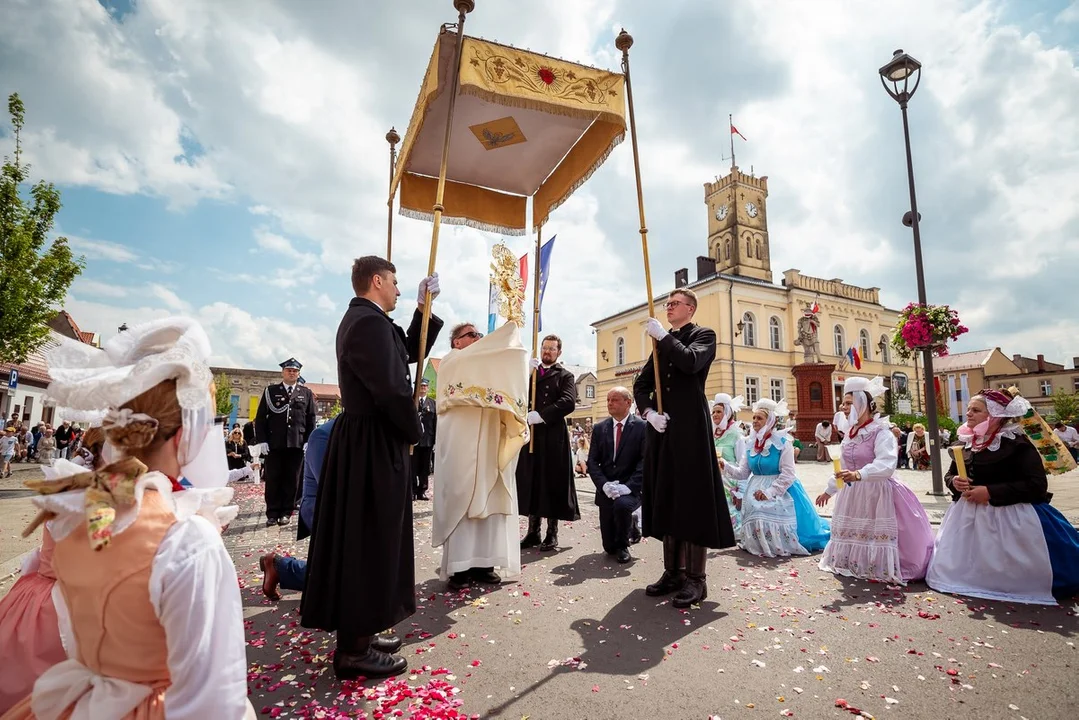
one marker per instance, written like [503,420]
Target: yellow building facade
[756,319]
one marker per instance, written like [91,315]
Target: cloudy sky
[227,159]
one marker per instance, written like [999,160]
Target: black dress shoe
[284,520]
[388,644]
[270,522]
[487,576]
[459,581]
[371,664]
[530,540]
[623,556]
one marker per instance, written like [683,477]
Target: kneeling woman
[778,518]
[1002,540]
[879,529]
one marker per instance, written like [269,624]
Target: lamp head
[897,76]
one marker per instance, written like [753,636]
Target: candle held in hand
[838,469]
[960,463]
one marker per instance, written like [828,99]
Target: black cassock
[360,565]
[683,490]
[545,476]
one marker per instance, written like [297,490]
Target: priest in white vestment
[482,403]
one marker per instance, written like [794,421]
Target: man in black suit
[423,452]
[616,466]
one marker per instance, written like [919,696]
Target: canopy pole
[463,8]
[624,42]
[392,138]
[535,322]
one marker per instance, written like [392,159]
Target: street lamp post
[896,77]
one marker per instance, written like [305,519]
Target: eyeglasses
[472,334]
[675,303]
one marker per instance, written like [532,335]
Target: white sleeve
[786,473]
[740,449]
[738,470]
[196,596]
[910,441]
[886,453]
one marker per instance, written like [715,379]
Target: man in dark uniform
[283,422]
[424,450]
[361,562]
[545,486]
[683,502]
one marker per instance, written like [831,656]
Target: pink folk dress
[879,529]
[123,665]
[29,628]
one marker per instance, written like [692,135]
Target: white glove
[655,329]
[428,283]
[622,489]
[264,449]
[609,491]
[533,418]
[533,364]
[657,420]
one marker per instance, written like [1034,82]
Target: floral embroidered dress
[785,523]
[879,529]
[731,446]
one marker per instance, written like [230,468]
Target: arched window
[863,343]
[840,342]
[727,249]
[749,248]
[749,330]
[759,250]
[885,352]
[775,333]
[620,351]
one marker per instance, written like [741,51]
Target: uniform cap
[291,363]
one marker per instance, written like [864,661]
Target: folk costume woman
[730,446]
[778,519]
[1002,540]
[879,529]
[155,618]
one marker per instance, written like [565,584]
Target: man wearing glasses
[683,502]
[481,430]
[545,486]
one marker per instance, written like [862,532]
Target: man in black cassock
[545,486]
[683,503]
[360,564]
[424,450]
[283,422]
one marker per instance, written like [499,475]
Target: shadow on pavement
[598,566]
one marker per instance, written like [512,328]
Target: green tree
[223,392]
[34,273]
[1065,405]
[334,410]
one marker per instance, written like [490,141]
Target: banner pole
[624,42]
[463,8]
[535,325]
[392,138]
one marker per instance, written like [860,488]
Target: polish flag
[734,131]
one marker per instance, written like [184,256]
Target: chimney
[681,277]
[1075,363]
[1017,358]
[1041,363]
[706,266]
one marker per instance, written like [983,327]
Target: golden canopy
[525,125]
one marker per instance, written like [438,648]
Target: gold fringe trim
[615,142]
[544,106]
[467,222]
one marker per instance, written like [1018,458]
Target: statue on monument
[808,325]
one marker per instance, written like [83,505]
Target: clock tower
[738,225]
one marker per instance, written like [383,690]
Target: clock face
[751,210]
[721,212]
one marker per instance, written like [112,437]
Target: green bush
[909,421]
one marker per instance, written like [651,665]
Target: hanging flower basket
[926,327]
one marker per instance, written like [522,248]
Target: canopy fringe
[467,222]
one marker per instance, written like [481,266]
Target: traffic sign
[13,379]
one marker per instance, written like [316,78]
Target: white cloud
[286,111]
[171,300]
[99,289]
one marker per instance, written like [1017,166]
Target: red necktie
[617,436]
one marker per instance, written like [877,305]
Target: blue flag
[544,271]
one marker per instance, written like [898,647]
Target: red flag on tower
[734,131]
